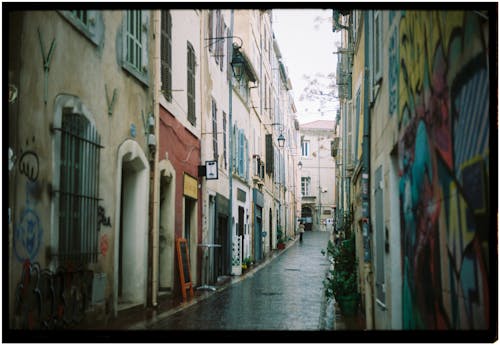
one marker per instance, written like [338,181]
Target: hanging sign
[212,170]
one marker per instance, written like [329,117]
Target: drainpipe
[230,76]
[367,274]
[152,291]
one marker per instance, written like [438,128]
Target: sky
[307,47]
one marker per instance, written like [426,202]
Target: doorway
[241,229]
[130,255]
[307,218]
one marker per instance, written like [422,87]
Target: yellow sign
[190,187]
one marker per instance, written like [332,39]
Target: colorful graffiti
[47,300]
[443,160]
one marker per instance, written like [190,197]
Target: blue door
[258,233]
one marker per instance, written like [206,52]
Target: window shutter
[144,42]
[191,96]
[210,29]
[269,154]
[240,153]
[234,148]
[166,54]
[246,163]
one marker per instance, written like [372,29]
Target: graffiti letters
[47,300]
[28,165]
[101,217]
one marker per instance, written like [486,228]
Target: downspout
[230,77]
[153,264]
[365,181]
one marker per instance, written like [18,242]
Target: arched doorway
[130,244]
[307,217]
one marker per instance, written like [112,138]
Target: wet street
[285,294]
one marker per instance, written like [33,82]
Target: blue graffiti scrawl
[28,232]
[28,236]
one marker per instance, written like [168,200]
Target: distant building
[318,175]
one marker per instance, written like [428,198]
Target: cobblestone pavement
[286,294]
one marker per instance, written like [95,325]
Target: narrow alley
[316,169]
[286,294]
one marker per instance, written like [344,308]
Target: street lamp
[238,63]
[300,165]
[281,141]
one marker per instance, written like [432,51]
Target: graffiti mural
[47,300]
[443,117]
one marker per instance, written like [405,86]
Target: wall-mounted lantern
[238,63]
[281,141]
[300,165]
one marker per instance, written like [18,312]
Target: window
[224,135]
[81,16]
[166,54]
[377,46]
[78,192]
[191,82]
[305,148]
[89,23]
[135,44]
[306,186]
[214,130]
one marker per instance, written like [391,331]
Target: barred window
[78,190]
[166,54]
[191,82]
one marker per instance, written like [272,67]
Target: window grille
[166,54]
[78,190]
[191,64]
[134,39]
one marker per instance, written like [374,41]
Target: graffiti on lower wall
[48,300]
[443,161]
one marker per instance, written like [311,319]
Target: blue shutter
[240,152]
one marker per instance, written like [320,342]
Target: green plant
[342,279]
[248,261]
[279,234]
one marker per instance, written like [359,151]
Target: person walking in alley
[301,230]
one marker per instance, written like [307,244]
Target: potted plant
[341,281]
[247,263]
[281,239]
